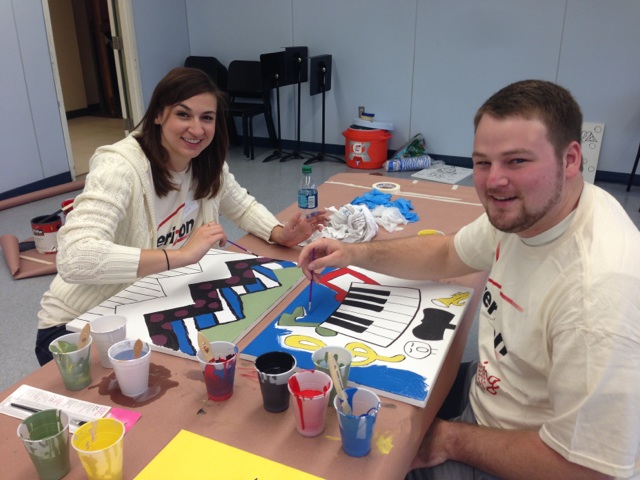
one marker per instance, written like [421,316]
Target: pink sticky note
[128,417]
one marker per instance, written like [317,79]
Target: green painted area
[255,305]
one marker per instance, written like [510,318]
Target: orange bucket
[366,149]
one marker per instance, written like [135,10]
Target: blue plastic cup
[356,426]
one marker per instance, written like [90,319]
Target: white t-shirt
[176,213]
[559,334]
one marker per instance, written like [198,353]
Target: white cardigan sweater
[113,219]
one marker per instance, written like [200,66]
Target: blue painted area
[256,286]
[233,299]
[385,377]
[267,272]
[184,344]
[206,320]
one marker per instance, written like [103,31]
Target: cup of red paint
[310,391]
[219,373]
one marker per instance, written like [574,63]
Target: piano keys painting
[224,296]
[398,331]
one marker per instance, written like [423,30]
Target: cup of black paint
[274,370]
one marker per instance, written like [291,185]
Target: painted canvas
[398,331]
[443,173]
[592,134]
[223,296]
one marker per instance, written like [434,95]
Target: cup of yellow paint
[100,446]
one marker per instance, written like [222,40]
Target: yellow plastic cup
[99,444]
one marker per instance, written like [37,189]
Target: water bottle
[307,191]
[408,163]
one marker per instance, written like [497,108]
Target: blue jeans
[44,338]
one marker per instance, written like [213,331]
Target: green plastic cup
[74,364]
[45,435]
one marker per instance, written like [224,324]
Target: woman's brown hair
[178,85]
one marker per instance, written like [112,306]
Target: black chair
[218,73]
[249,99]
[633,170]
[216,70]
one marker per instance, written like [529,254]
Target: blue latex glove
[375,198]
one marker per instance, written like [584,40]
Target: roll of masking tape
[387,187]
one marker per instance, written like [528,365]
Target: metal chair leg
[633,172]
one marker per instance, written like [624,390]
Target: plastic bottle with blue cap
[307,192]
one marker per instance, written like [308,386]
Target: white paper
[77,410]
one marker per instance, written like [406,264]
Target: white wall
[427,65]
[161,37]
[424,65]
[31,137]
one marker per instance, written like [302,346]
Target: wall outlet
[360,111]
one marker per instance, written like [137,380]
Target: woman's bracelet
[166,256]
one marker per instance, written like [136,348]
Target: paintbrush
[48,218]
[313,257]
[240,247]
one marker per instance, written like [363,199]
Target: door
[125,56]
[95,83]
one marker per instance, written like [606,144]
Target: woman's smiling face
[188,128]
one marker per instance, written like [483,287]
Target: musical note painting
[223,296]
[398,331]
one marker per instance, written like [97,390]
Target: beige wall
[87,55]
[68,55]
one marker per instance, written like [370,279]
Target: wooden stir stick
[334,372]
[137,349]
[205,347]
[84,337]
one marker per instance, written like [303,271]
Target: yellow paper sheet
[196,457]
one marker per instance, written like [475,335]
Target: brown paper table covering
[26,264]
[178,396]
[40,194]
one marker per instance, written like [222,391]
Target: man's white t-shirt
[559,334]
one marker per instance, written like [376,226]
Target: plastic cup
[274,370]
[100,447]
[321,362]
[45,233]
[310,390]
[356,427]
[106,331]
[64,203]
[219,373]
[45,435]
[74,366]
[132,373]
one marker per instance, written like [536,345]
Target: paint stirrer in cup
[205,347]
[84,336]
[334,372]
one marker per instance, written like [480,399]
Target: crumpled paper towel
[350,224]
[390,218]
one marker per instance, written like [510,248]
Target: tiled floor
[273,183]
[87,134]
